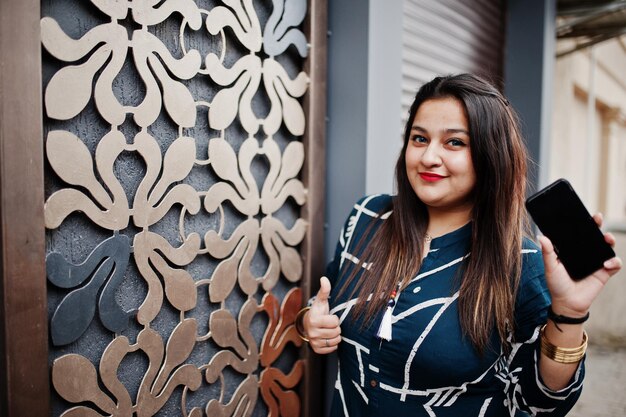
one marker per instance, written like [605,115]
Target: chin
[425,194]
[431,202]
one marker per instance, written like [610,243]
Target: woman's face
[438,157]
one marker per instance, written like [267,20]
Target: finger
[325,344]
[610,239]
[598,218]
[324,291]
[320,303]
[327,321]
[335,340]
[331,341]
[324,350]
[613,265]
[550,259]
[322,334]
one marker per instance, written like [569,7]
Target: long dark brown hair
[490,275]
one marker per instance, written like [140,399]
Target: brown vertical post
[314,178]
[24,389]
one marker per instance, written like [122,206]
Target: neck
[441,222]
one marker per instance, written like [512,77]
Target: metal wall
[449,37]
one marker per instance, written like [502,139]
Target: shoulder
[367,209]
[373,205]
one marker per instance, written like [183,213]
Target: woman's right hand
[321,327]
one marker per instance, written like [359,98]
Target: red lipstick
[430,176]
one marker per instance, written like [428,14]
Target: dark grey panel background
[346,131]
[529,71]
[77,236]
[347,112]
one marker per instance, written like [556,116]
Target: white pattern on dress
[339,388]
[360,391]
[358,348]
[352,225]
[420,339]
[483,409]
[440,268]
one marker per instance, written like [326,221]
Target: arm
[572,299]
[314,323]
[321,328]
[526,389]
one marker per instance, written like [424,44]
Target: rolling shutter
[448,37]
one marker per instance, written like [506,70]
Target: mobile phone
[562,217]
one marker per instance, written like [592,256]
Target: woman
[459,330]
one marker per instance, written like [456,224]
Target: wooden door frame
[24,376]
[24,373]
[314,179]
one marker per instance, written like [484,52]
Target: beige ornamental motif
[152,37]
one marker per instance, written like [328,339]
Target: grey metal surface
[384,95]
[448,37]
[528,74]
[105,268]
[347,112]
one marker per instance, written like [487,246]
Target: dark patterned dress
[428,368]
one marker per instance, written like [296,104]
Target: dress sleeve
[526,390]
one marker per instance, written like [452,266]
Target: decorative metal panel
[173,196]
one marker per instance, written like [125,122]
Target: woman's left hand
[569,297]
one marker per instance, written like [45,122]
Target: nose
[431,156]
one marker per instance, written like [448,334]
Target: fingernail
[611,263]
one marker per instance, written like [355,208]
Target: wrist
[564,310]
[563,351]
[299,323]
[560,319]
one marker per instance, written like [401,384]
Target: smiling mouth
[430,177]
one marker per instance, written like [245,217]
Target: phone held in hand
[562,217]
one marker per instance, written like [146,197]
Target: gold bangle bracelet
[300,325]
[560,354]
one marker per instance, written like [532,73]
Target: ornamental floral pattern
[129,213]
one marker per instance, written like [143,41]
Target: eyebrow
[450,130]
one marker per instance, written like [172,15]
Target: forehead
[441,113]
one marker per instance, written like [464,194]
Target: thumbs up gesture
[321,327]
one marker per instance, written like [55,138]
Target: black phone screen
[562,217]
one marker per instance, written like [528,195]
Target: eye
[456,142]
[417,139]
